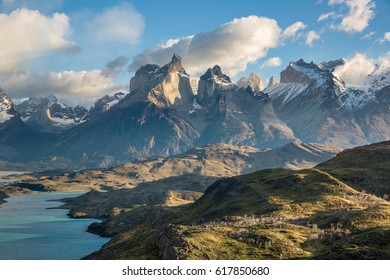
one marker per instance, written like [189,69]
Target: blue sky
[81,50]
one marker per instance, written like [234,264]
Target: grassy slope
[272,214]
[365,168]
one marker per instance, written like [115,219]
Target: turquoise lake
[30,231]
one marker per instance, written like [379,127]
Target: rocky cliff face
[272,82]
[165,86]
[211,82]
[253,81]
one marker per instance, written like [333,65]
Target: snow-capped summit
[7,108]
[105,103]
[311,74]
[253,81]
[47,114]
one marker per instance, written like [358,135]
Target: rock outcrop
[211,82]
[272,82]
[253,81]
[165,86]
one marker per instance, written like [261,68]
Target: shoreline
[97,220]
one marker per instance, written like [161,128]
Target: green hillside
[328,212]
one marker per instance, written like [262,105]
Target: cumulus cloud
[27,34]
[79,86]
[357,70]
[272,62]
[310,37]
[386,38]
[360,13]
[233,46]
[121,23]
[292,30]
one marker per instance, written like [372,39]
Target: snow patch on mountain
[6,107]
[357,99]
[195,104]
[285,91]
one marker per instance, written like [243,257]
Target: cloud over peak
[358,69]
[271,62]
[232,45]
[80,86]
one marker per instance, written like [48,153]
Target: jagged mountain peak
[7,108]
[216,75]
[253,81]
[214,80]
[105,103]
[174,66]
[164,86]
[47,114]
[272,81]
[312,74]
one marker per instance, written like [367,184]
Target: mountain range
[161,116]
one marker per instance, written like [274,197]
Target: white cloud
[122,23]
[386,37]
[233,46]
[27,34]
[332,15]
[360,12]
[272,62]
[310,37]
[79,86]
[292,30]
[368,35]
[357,70]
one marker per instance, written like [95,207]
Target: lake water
[29,231]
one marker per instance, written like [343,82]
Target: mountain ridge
[162,116]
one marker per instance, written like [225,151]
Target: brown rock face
[253,81]
[272,82]
[164,86]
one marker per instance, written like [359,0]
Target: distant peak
[217,70]
[215,74]
[52,98]
[253,81]
[273,81]
[176,58]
